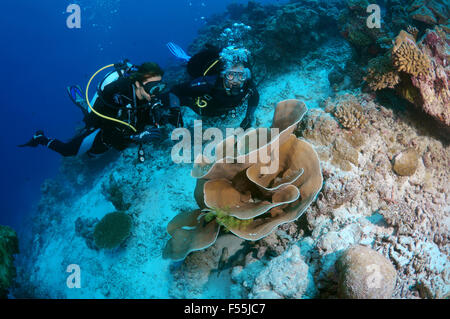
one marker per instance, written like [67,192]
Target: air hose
[97,113]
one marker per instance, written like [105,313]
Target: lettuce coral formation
[237,188]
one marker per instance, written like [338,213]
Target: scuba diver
[130,106]
[221,82]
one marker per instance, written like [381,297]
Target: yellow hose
[210,67]
[94,111]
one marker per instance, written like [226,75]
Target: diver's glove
[247,122]
[149,135]
[38,139]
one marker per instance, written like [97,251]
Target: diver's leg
[97,146]
[65,149]
[70,148]
[80,144]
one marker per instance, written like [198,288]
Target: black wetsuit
[118,100]
[210,90]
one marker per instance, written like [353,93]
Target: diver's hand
[38,139]
[149,135]
[247,122]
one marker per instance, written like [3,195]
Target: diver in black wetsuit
[138,100]
[229,86]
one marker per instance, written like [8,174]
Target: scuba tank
[121,69]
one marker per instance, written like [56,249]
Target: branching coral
[413,31]
[407,57]
[239,194]
[350,115]
[381,75]
[427,73]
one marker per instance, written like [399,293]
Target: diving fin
[76,96]
[38,138]
[30,143]
[177,51]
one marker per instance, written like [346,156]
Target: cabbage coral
[237,193]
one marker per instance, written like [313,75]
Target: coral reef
[285,277]
[84,227]
[277,35]
[407,57]
[406,162]
[420,75]
[429,11]
[9,246]
[365,274]
[242,189]
[411,207]
[347,110]
[434,88]
[113,192]
[413,31]
[350,115]
[363,200]
[381,74]
[401,217]
[367,42]
[112,230]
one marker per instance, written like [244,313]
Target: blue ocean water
[41,56]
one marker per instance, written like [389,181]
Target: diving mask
[236,75]
[154,88]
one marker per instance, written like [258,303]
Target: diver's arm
[195,87]
[175,118]
[253,102]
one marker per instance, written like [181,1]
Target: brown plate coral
[252,192]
